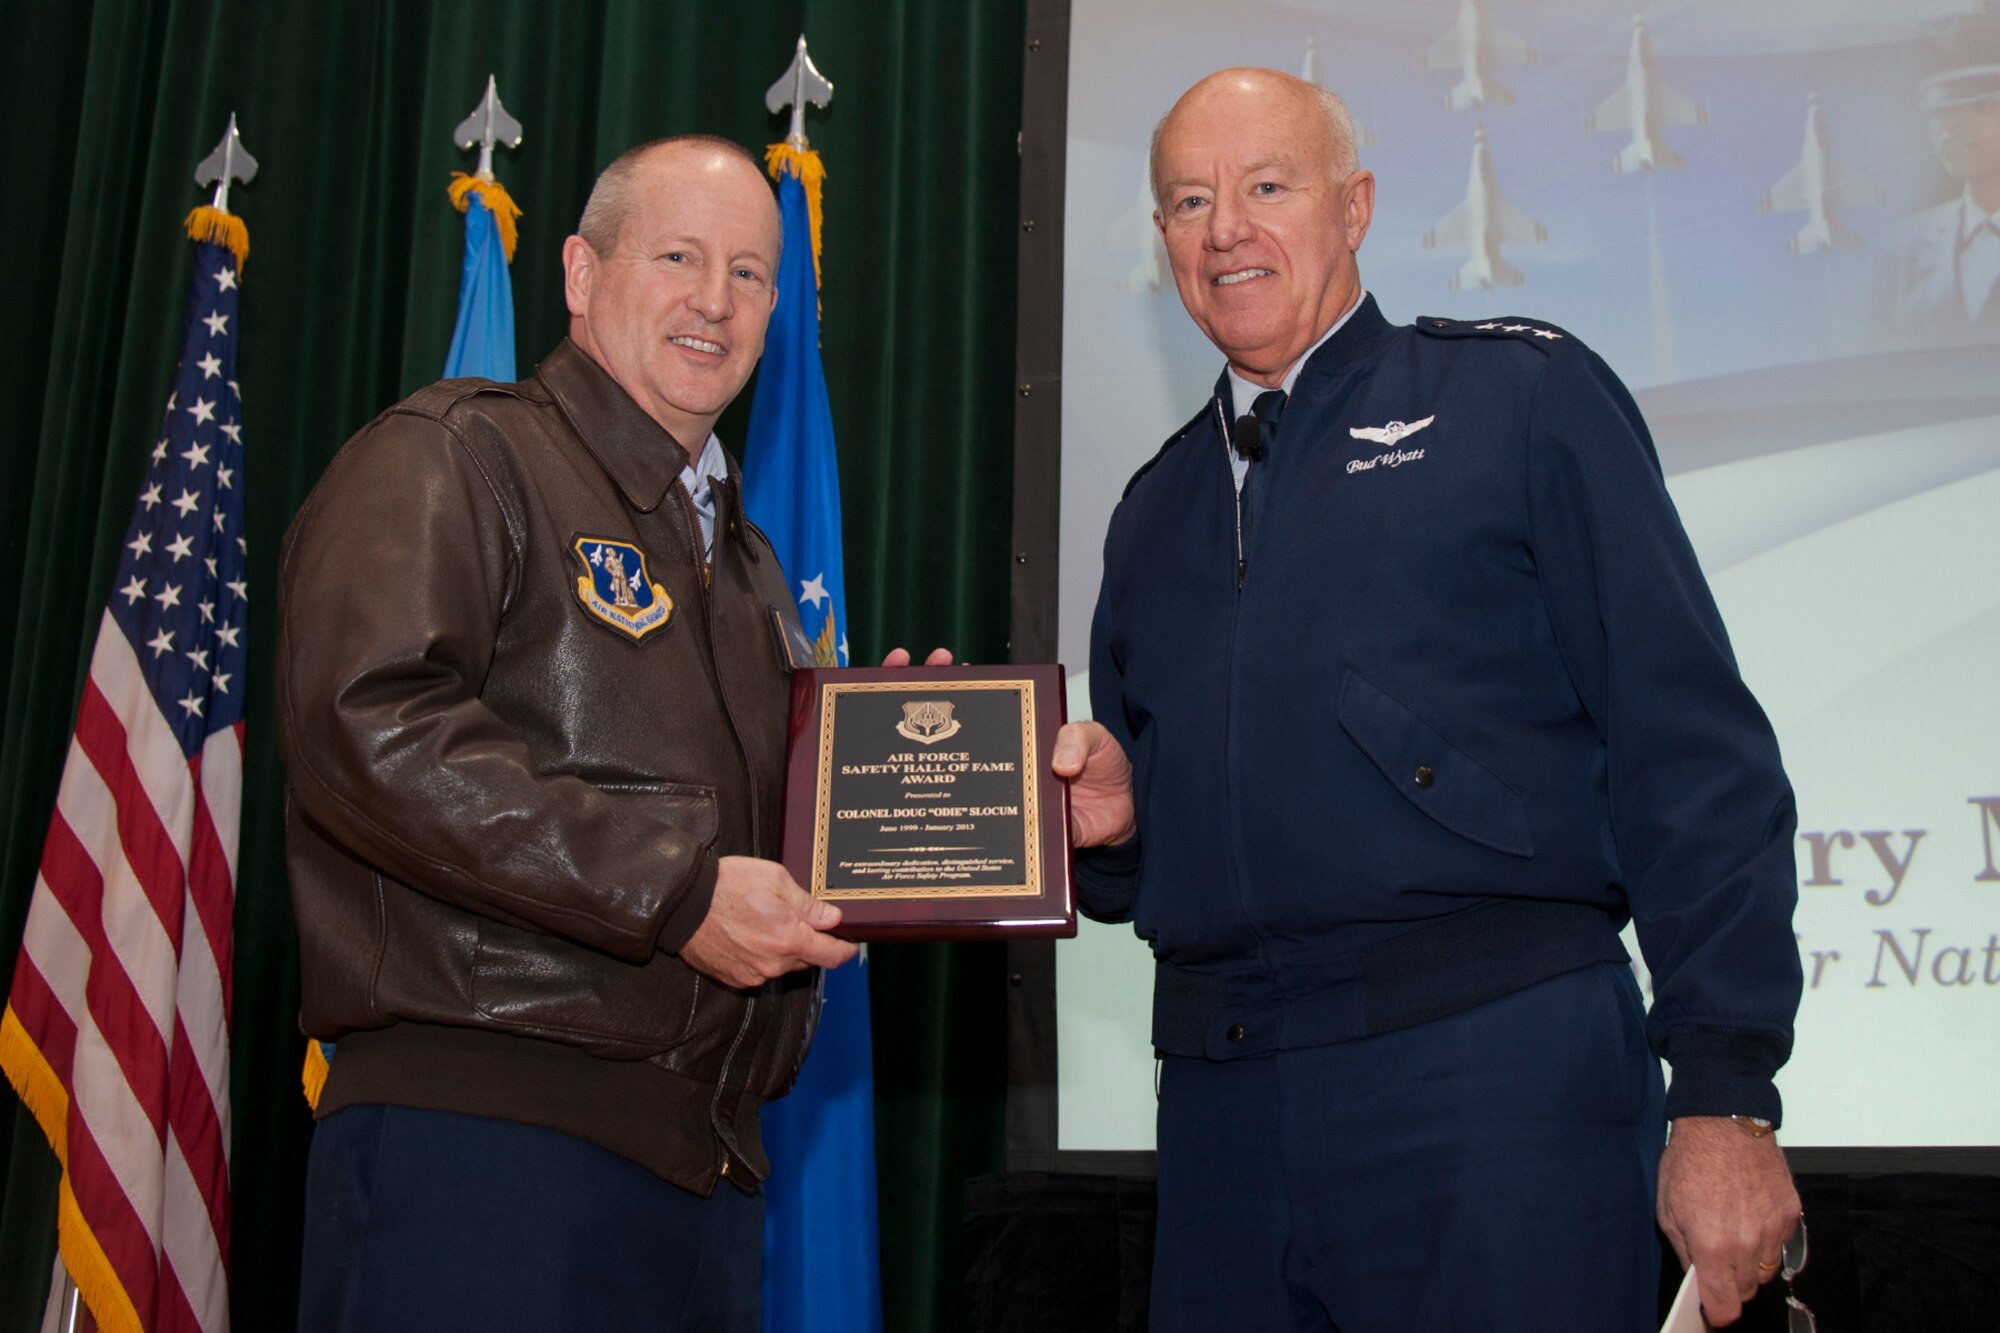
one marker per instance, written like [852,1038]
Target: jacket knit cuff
[1719,1085]
[1115,862]
[692,910]
[1107,879]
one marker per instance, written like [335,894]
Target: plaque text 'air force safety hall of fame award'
[919,799]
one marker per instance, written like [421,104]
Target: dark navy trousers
[427,1220]
[1493,1170]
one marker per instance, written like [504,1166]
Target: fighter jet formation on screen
[1646,107]
[1364,136]
[1643,107]
[1484,222]
[1819,187]
[1473,45]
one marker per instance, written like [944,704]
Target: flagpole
[482,336]
[128,936]
[822,1269]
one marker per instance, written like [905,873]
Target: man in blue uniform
[1938,284]
[1409,692]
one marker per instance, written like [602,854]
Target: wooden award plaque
[919,799]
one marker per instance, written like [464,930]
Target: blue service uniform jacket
[1466,660]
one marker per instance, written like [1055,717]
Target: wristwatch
[1756,1126]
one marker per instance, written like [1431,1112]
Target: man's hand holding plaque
[920,800]
[1100,785]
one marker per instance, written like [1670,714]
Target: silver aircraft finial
[800,83]
[230,161]
[489,124]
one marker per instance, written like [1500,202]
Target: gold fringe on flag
[96,1280]
[48,1101]
[803,163]
[41,1091]
[498,202]
[312,1079]
[225,229]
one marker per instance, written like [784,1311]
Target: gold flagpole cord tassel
[498,202]
[208,223]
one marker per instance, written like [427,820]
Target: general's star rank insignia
[616,590]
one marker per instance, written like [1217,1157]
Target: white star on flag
[198,656]
[187,502]
[192,703]
[141,544]
[203,410]
[813,590]
[226,277]
[181,547]
[134,590]
[222,476]
[163,642]
[233,431]
[211,366]
[168,596]
[196,455]
[240,588]
[151,495]
[218,324]
[221,682]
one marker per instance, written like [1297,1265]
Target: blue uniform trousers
[428,1220]
[1493,1170]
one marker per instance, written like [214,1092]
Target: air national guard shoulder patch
[616,589]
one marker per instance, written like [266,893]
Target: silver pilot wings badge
[1391,433]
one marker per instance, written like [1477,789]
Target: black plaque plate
[920,800]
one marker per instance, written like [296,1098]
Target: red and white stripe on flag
[116,1031]
[117,1026]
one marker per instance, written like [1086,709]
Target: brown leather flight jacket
[508,792]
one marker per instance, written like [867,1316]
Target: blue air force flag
[482,342]
[821,1254]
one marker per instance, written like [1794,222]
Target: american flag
[116,1031]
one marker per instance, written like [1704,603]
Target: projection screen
[1832,440]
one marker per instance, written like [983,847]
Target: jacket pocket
[538,984]
[542,986]
[1439,779]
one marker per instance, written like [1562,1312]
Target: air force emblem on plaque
[616,589]
[927,721]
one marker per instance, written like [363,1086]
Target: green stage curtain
[348,302]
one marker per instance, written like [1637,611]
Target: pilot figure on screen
[1940,282]
[1408,693]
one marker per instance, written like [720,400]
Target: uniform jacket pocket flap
[1444,782]
[529,982]
[691,805]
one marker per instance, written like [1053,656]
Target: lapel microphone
[1246,439]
